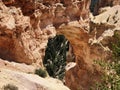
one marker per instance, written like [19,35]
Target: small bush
[111,69]
[41,72]
[110,78]
[10,87]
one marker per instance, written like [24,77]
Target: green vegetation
[10,87]
[111,69]
[55,56]
[110,78]
[116,53]
[41,72]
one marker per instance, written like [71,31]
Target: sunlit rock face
[31,82]
[97,4]
[105,24]
[14,66]
[19,41]
[26,26]
[83,73]
[26,37]
[54,12]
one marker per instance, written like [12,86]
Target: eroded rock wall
[54,12]
[25,37]
[26,25]
[19,41]
[84,74]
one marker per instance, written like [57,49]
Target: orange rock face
[54,12]
[19,41]
[84,74]
[11,50]
[25,37]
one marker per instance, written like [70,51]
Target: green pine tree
[55,56]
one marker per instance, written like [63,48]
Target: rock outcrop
[19,41]
[91,46]
[54,12]
[26,26]
[84,74]
[25,37]
[104,25]
[25,81]
[21,67]
[104,3]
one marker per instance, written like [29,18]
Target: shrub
[116,52]
[55,56]
[111,69]
[110,78]
[10,87]
[41,72]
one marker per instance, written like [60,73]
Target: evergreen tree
[55,56]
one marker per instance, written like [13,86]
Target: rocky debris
[25,81]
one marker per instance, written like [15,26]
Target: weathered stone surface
[104,3]
[84,73]
[19,41]
[104,25]
[29,81]
[26,37]
[21,67]
[26,25]
[54,12]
